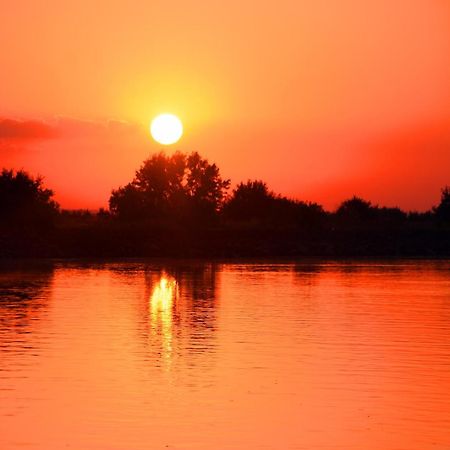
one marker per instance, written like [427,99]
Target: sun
[166,129]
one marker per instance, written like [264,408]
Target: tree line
[183,194]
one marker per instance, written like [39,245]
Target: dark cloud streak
[13,130]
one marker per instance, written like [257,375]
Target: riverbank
[114,239]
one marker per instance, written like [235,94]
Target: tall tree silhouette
[204,187]
[179,185]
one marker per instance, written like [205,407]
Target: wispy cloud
[81,160]
[18,130]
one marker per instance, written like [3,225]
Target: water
[138,355]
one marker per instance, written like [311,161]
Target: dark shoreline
[108,241]
[178,207]
[43,262]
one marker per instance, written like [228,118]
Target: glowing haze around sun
[166,129]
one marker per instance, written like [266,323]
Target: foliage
[253,201]
[356,209]
[24,201]
[180,185]
[163,210]
[250,200]
[359,212]
[442,211]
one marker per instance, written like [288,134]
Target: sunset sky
[321,99]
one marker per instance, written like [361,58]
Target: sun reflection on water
[164,294]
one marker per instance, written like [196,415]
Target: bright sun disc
[166,129]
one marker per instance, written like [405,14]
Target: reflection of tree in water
[307,275]
[182,316]
[307,271]
[23,299]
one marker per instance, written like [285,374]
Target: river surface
[201,355]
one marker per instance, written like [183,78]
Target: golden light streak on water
[164,294]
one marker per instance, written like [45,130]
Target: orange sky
[321,99]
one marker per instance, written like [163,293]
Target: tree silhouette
[442,211]
[356,209]
[204,186]
[391,215]
[254,202]
[24,201]
[249,201]
[180,185]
